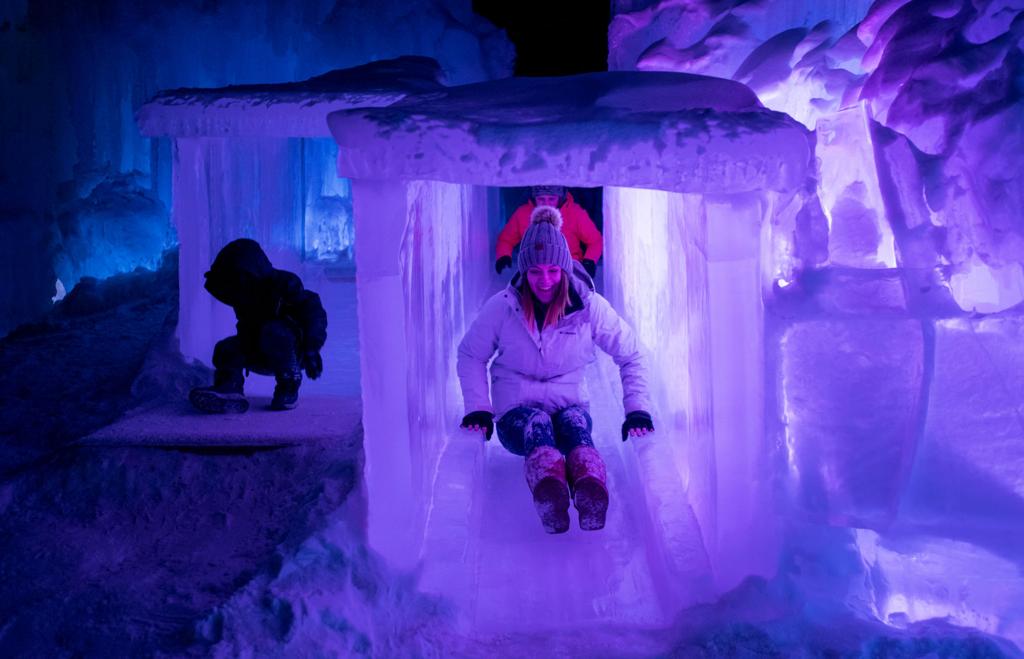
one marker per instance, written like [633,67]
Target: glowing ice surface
[859,233]
[690,501]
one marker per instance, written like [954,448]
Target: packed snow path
[318,419]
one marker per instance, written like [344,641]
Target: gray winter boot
[286,392]
[545,474]
[225,396]
[588,480]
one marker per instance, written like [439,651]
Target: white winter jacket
[546,369]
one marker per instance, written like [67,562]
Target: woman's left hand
[638,423]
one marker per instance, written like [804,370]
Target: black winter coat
[243,278]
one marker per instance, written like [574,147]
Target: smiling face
[546,200]
[544,281]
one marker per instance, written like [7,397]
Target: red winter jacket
[583,237]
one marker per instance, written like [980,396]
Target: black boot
[286,392]
[225,396]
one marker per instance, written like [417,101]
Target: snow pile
[828,599]
[330,597]
[73,371]
[295,109]
[651,130]
[119,550]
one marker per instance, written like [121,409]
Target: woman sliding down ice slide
[543,327]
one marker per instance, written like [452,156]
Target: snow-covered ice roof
[294,109]
[671,131]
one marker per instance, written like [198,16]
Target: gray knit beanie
[543,242]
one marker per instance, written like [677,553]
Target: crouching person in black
[281,328]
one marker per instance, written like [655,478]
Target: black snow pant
[270,351]
[524,428]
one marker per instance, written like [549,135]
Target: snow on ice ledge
[295,109]
[669,131]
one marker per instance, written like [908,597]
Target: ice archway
[701,184]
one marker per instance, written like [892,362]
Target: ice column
[420,246]
[226,189]
[745,541]
[685,271]
[192,217]
[662,292]
[859,233]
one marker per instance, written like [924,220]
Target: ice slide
[484,547]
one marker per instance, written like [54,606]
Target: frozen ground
[73,371]
[116,545]
[118,551]
[225,543]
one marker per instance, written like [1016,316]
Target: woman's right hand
[479,420]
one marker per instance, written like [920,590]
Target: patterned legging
[524,428]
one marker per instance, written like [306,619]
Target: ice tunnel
[700,187]
[698,181]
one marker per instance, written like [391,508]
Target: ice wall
[891,320]
[258,188]
[686,270]
[941,76]
[78,72]
[422,254]
[119,225]
[255,161]
[859,236]
[227,189]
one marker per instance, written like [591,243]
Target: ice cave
[811,221]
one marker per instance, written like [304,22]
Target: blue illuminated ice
[830,297]
[688,188]
[893,355]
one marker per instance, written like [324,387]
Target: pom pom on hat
[546,214]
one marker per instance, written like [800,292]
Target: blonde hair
[556,310]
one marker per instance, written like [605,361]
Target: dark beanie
[553,190]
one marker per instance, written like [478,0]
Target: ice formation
[79,73]
[653,131]
[257,161]
[685,160]
[811,278]
[820,246]
[911,296]
[941,76]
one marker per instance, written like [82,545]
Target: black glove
[636,420]
[502,263]
[312,364]
[483,419]
[590,267]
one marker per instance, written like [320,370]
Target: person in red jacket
[585,242]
